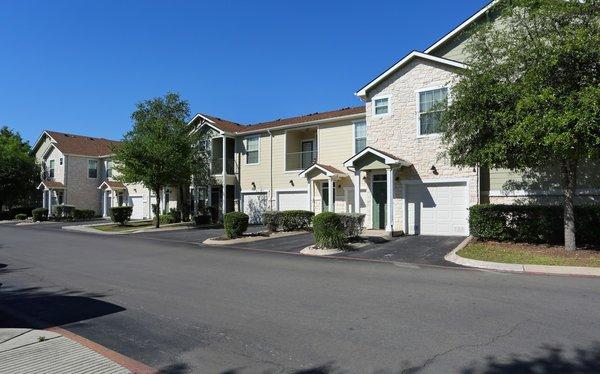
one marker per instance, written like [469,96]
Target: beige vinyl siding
[59,170]
[544,180]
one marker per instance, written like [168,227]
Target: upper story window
[92,169]
[381,106]
[51,169]
[252,150]
[360,136]
[109,169]
[432,104]
[60,161]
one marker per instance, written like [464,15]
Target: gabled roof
[112,185]
[80,145]
[388,158]
[328,170]
[228,127]
[461,27]
[412,55]
[51,184]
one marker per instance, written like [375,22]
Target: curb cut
[519,268]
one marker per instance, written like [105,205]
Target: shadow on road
[36,308]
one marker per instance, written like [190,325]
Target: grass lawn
[128,226]
[530,254]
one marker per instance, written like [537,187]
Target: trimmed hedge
[289,220]
[21,216]
[120,214]
[532,223]
[176,214]
[83,214]
[328,231]
[202,219]
[165,219]
[63,212]
[236,223]
[353,224]
[39,214]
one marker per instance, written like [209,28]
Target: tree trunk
[570,182]
[157,208]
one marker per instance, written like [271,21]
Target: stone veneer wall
[396,133]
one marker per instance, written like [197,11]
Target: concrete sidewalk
[41,351]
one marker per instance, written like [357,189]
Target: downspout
[271,169]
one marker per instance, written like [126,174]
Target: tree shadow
[551,359]
[36,308]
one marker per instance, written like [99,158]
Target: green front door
[379,201]
[325,197]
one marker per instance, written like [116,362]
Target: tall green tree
[19,172]
[160,150]
[530,97]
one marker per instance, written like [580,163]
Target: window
[252,147]
[381,106]
[109,165]
[51,169]
[360,136]
[432,105]
[92,169]
[60,161]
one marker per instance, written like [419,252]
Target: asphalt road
[183,308]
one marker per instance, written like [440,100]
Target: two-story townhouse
[78,170]
[389,150]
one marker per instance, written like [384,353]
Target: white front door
[254,204]
[437,209]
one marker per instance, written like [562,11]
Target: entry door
[308,147]
[325,197]
[379,201]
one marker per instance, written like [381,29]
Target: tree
[160,150]
[530,97]
[19,172]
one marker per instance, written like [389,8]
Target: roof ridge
[80,136]
[307,115]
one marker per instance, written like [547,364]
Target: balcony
[300,160]
[216,165]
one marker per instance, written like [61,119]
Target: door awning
[386,158]
[328,170]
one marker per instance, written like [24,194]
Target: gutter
[302,124]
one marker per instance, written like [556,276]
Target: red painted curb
[128,363]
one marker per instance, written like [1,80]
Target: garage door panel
[437,209]
[254,205]
[292,200]
[137,204]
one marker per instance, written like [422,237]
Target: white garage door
[254,205]
[292,200]
[437,209]
[137,202]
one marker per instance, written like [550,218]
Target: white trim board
[522,193]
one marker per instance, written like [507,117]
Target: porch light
[434,169]
[291,182]
[253,186]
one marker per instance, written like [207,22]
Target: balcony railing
[217,166]
[300,160]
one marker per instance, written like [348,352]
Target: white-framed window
[431,105]
[252,150]
[109,169]
[51,169]
[381,106]
[60,161]
[360,136]
[92,169]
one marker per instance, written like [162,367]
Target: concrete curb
[518,268]
[249,239]
[90,229]
[312,251]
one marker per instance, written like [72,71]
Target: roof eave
[302,124]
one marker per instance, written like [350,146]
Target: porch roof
[328,170]
[47,185]
[387,158]
[112,185]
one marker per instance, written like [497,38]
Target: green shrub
[272,220]
[532,223]
[166,219]
[236,223]
[40,214]
[83,214]
[294,220]
[176,214]
[352,223]
[202,219]
[328,231]
[21,216]
[63,212]
[120,214]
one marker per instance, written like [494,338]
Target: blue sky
[80,66]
